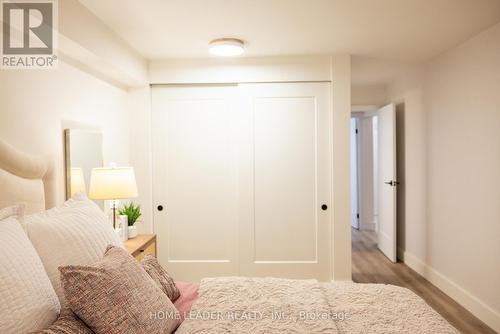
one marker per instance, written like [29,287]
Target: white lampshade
[77,181]
[112,183]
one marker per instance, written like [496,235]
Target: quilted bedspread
[271,305]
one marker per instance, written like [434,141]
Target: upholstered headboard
[25,179]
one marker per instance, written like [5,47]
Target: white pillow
[27,300]
[75,233]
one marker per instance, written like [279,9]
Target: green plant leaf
[132,211]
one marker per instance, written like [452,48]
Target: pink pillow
[189,294]
[164,281]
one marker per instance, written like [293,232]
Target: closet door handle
[159,207]
[324,207]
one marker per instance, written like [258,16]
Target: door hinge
[357,215]
[356,131]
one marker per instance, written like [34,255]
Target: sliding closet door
[285,203]
[195,179]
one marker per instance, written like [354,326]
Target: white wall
[452,179]
[35,103]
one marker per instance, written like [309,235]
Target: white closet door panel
[200,189]
[195,162]
[285,179]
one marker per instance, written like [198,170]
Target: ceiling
[382,35]
[402,30]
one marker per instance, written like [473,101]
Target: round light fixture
[226,47]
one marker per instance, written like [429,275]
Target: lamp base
[113,206]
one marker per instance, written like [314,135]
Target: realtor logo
[28,34]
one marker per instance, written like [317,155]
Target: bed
[253,305]
[26,179]
[273,305]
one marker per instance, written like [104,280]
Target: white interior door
[354,174]
[195,179]
[286,167]
[387,181]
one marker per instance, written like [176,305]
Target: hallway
[369,265]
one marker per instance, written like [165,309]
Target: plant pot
[123,221]
[132,231]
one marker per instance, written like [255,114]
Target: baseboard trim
[473,304]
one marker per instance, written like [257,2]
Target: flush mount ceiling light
[226,47]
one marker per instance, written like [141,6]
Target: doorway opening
[364,215]
[374,181]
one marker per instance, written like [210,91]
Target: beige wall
[406,93]
[369,95]
[231,70]
[88,89]
[141,153]
[341,95]
[451,187]
[36,103]
[84,40]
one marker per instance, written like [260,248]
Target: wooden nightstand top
[138,244]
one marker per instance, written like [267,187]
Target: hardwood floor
[369,265]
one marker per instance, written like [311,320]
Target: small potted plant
[133,212]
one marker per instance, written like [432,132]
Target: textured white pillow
[75,233]
[27,300]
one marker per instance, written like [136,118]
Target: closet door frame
[241,259]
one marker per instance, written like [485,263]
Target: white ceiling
[399,31]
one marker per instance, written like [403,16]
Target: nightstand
[142,245]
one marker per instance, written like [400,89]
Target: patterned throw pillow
[67,323]
[117,296]
[161,277]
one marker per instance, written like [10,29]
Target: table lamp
[112,183]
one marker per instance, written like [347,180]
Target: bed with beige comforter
[270,305]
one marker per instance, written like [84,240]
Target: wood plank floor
[369,265]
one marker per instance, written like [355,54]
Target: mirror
[83,151]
